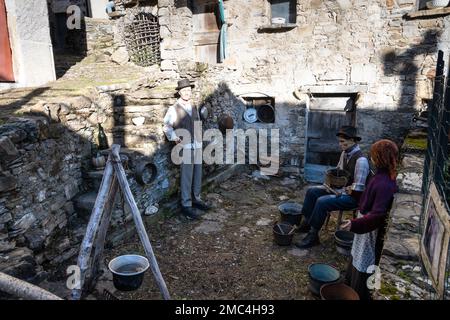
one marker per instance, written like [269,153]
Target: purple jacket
[374,203]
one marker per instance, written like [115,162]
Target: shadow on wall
[404,64]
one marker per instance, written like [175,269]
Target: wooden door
[6,70]
[206,30]
[325,117]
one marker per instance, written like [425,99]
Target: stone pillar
[31,44]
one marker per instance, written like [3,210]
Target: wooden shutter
[6,70]
[206,31]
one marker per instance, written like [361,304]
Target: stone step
[126,151]
[131,101]
[98,174]
[131,128]
[137,108]
[86,201]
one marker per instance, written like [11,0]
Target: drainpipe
[223,32]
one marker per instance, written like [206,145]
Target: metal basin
[338,291]
[128,271]
[320,274]
[344,241]
[291,212]
[283,233]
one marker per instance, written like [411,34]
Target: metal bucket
[283,234]
[266,113]
[320,274]
[291,212]
[128,271]
[338,291]
[344,241]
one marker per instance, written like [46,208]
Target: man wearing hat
[184,117]
[319,201]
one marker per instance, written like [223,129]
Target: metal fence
[437,162]
[142,39]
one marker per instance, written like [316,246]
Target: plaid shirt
[361,169]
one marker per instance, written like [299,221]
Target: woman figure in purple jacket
[369,227]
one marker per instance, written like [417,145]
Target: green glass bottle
[102,140]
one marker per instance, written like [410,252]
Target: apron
[363,249]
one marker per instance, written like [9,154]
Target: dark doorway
[69,45]
[327,113]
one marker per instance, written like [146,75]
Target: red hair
[384,154]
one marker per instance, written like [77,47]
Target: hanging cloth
[223,33]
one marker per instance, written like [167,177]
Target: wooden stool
[340,215]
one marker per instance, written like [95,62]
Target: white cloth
[363,249]
[171,117]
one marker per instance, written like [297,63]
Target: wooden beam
[23,289]
[101,236]
[94,221]
[128,196]
[428,13]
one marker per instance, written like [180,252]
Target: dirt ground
[230,253]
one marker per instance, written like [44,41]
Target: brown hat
[183,84]
[348,132]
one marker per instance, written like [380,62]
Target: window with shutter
[285,9]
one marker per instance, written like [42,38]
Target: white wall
[31,44]
[98,10]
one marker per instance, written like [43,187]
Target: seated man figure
[319,201]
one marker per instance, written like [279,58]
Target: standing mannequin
[183,115]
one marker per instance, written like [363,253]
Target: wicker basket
[336,178]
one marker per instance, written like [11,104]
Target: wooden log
[23,289]
[101,236]
[94,221]
[128,196]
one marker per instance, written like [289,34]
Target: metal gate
[6,69]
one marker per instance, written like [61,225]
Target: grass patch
[415,143]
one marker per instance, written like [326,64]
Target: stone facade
[40,175]
[335,47]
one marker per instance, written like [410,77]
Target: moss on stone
[388,289]
[402,274]
[415,143]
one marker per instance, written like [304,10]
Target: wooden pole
[23,289]
[103,228]
[128,196]
[86,245]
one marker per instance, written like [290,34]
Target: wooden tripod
[113,178]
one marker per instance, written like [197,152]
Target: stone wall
[40,175]
[48,183]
